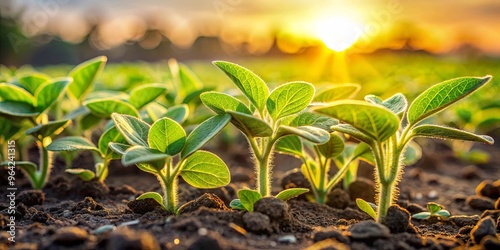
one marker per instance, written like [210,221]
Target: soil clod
[480,203]
[398,219]
[484,227]
[70,236]
[257,223]
[125,238]
[206,200]
[143,206]
[489,189]
[31,197]
[464,220]
[275,208]
[368,230]
[330,233]
[338,198]
[363,189]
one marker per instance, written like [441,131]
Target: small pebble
[289,239]
[104,229]
[129,223]
[202,231]
[433,194]
[66,214]
[368,230]
[419,196]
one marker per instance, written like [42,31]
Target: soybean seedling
[78,143]
[152,149]
[435,210]
[262,119]
[377,123]
[28,100]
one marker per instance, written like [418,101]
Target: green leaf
[376,122]
[310,133]
[134,130]
[436,131]
[178,113]
[204,133]
[248,198]
[107,94]
[203,169]
[310,119]
[290,193]
[252,86]
[8,129]
[140,154]
[167,136]
[32,82]
[188,80]
[289,99]
[396,103]
[412,154]
[289,145]
[220,103]
[106,106]
[51,92]
[193,97]
[110,135]
[154,112]
[250,125]
[19,109]
[89,121]
[48,129]
[84,174]
[421,216]
[366,207]
[236,204]
[332,148]
[152,195]
[72,143]
[443,213]
[442,95]
[433,207]
[310,170]
[84,76]
[13,93]
[352,131]
[119,148]
[144,94]
[337,92]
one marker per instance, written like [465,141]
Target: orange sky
[438,26]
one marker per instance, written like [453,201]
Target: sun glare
[337,33]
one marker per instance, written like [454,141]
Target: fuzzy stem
[384,200]
[45,165]
[170,196]
[263,180]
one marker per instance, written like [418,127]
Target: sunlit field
[249,124]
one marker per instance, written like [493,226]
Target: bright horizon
[359,25]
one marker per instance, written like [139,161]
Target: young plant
[267,117]
[29,100]
[79,143]
[377,123]
[152,149]
[435,210]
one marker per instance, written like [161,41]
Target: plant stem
[169,186]
[384,200]
[264,169]
[45,165]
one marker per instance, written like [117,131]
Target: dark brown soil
[72,214]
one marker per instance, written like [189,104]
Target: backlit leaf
[290,193]
[84,76]
[289,145]
[134,130]
[436,131]
[32,82]
[203,169]
[178,113]
[50,92]
[204,132]
[167,136]
[220,103]
[332,148]
[366,207]
[248,198]
[312,134]
[152,195]
[337,92]
[48,129]
[105,107]
[84,174]
[250,125]
[289,99]
[140,154]
[110,135]
[13,93]
[144,94]
[72,143]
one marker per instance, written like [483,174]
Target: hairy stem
[45,164]
[384,200]
[169,188]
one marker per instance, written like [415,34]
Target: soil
[72,214]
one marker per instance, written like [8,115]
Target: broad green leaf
[352,131]
[412,154]
[134,130]
[84,174]
[442,95]
[421,216]
[152,195]
[32,82]
[289,145]
[377,122]
[433,207]
[310,170]
[51,92]
[84,76]
[310,119]
[204,132]
[154,112]
[337,92]
[396,103]
[193,97]
[89,121]
[140,154]
[289,99]
[167,136]
[144,94]
[443,213]
[236,204]
[220,103]
[332,148]
[178,113]
[203,169]
[248,198]
[8,129]
[110,135]
[250,125]
[312,134]
[78,112]
[188,80]
[19,109]
[436,131]
[290,193]
[72,143]
[149,168]
[13,93]
[119,148]
[366,207]
[106,94]
[48,129]
[252,86]
[106,106]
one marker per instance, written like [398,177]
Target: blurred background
[47,32]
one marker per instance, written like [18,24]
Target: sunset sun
[337,33]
